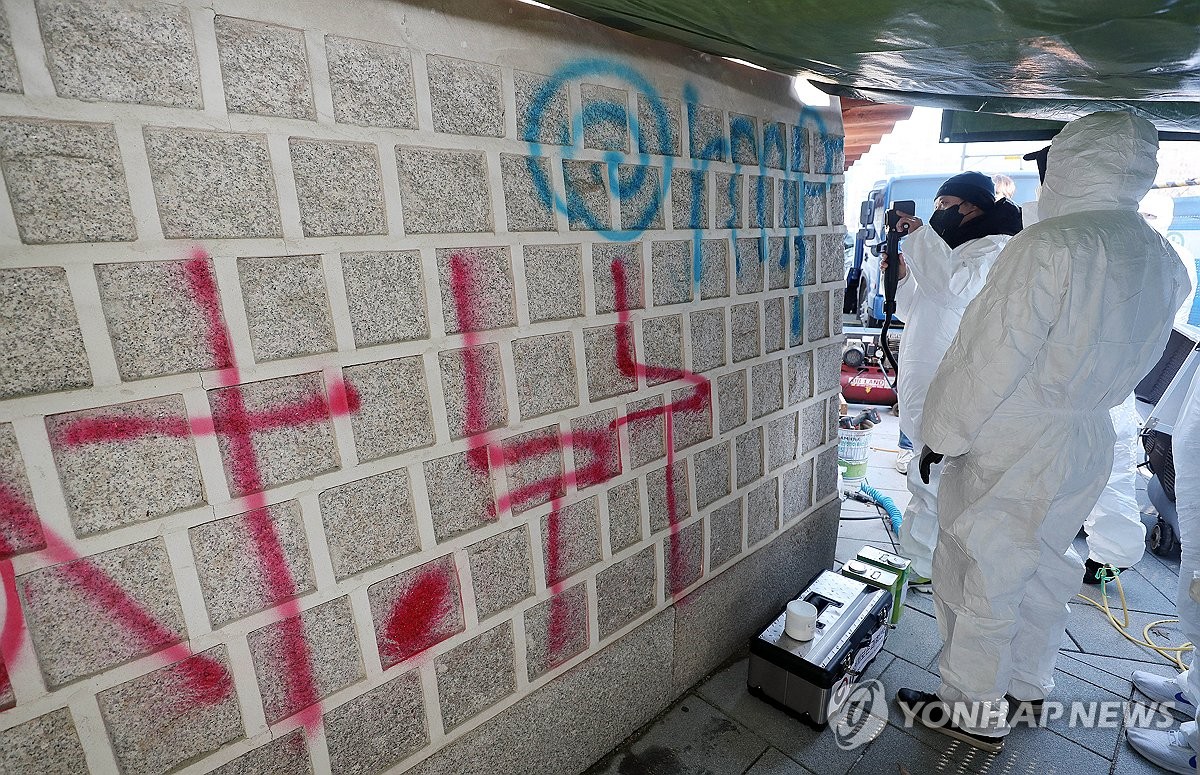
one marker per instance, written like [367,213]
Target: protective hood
[1103,161]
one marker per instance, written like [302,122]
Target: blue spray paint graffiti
[744,144]
[628,180]
[738,128]
[601,112]
[801,259]
[742,140]
[696,221]
[773,145]
[832,147]
[716,148]
[741,145]
[797,318]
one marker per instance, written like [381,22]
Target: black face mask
[945,221]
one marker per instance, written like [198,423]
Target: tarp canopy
[960,126]
[1047,59]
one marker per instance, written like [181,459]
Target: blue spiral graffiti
[598,113]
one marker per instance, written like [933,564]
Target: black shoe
[1091,571]
[931,712]
[1016,707]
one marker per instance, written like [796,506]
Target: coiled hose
[1173,654]
[885,503]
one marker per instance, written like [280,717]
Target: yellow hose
[1172,654]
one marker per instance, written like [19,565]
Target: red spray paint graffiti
[412,623]
[557,636]
[10,637]
[20,531]
[698,400]
[20,528]
[208,681]
[408,628]
[415,623]
[597,444]
[485,452]
[463,285]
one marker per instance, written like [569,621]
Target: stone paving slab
[1130,762]
[1100,741]
[773,762]
[1140,596]
[1024,745]
[857,508]
[1095,635]
[921,600]
[1114,678]
[915,639]
[693,737]
[866,530]
[1049,754]
[886,477]
[1160,572]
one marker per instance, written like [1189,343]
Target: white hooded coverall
[1159,209]
[1185,451]
[931,300]
[1115,533]
[1075,311]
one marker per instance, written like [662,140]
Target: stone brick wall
[395,387]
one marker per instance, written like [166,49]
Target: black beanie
[973,187]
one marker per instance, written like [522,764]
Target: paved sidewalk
[719,729]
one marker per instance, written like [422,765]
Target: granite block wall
[379,382]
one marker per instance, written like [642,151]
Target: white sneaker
[1168,749]
[1163,690]
[903,458]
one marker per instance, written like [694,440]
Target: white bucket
[854,447]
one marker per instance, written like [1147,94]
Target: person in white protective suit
[1076,309]
[1175,750]
[1181,691]
[1158,208]
[943,266]
[1115,533]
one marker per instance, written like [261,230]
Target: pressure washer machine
[813,678]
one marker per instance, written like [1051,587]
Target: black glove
[929,459]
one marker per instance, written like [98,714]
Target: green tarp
[960,126]
[1051,60]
